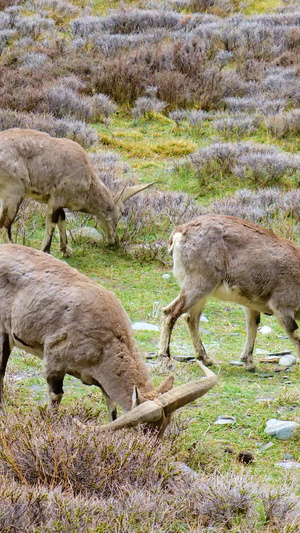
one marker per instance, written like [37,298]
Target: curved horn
[126,193]
[180,396]
[149,411]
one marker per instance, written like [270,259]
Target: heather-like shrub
[35,26]
[180,70]
[195,117]
[82,27]
[283,124]
[255,103]
[57,454]
[33,60]
[5,36]
[270,207]
[65,102]
[139,20]
[26,221]
[260,164]
[56,478]
[154,214]
[236,125]
[146,105]
[75,130]
[102,107]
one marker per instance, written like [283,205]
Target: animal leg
[4,355]
[192,320]
[189,296]
[112,409]
[252,323]
[286,319]
[9,209]
[64,247]
[55,390]
[51,220]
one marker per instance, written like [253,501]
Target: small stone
[258,351]
[166,276]
[265,329]
[185,469]
[144,326]
[203,318]
[151,355]
[225,419]
[266,446]
[183,358]
[86,232]
[288,456]
[287,360]
[264,400]
[236,363]
[282,429]
[288,465]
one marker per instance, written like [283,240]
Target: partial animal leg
[51,221]
[64,247]
[112,409]
[4,355]
[189,296]
[9,209]
[193,323]
[252,323]
[54,369]
[55,390]
[286,318]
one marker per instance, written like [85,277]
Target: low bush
[73,129]
[257,164]
[55,478]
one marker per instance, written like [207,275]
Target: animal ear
[166,385]
[126,193]
[137,398]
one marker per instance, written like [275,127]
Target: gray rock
[144,326]
[236,363]
[90,234]
[225,419]
[185,469]
[266,446]
[183,358]
[288,457]
[288,465]
[287,360]
[282,429]
[265,330]
[166,276]
[151,355]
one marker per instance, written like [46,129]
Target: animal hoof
[67,252]
[209,362]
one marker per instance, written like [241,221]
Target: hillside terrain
[201,97]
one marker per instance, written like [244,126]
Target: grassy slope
[151,147]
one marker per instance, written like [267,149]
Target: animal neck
[100,200]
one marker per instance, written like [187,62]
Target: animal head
[110,223]
[156,413]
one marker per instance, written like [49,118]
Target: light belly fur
[232,294]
